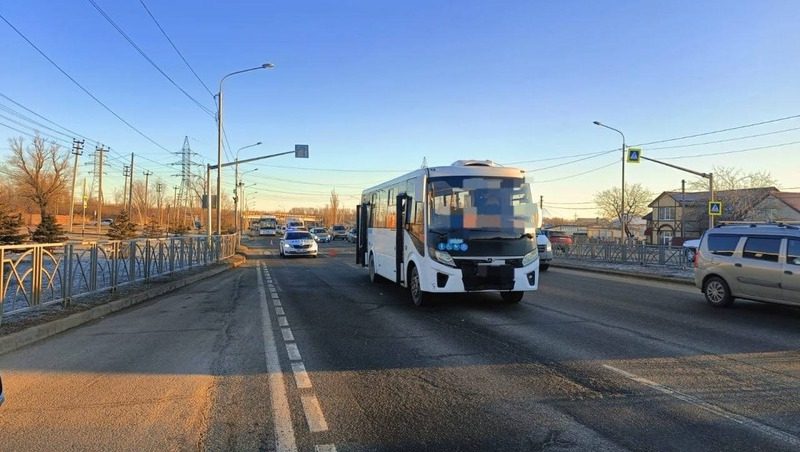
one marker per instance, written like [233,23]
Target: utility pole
[175,203]
[101,149]
[130,189]
[84,199]
[77,150]
[126,171]
[147,175]
[683,208]
[208,200]
[159,187]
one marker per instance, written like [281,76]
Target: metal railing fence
[672,256]
[34,275]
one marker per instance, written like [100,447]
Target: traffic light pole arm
[706,175]
[225,165]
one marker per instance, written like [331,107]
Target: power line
[50,60]
[615,162]
[739,151]
[149,60]
[728,140]
[74,134]
[786,118]
[175,47]
[333,170]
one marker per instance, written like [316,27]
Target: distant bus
[268,225]
[467,227]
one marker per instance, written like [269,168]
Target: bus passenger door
[403,206]
[362,223]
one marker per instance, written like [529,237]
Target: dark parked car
[559,240]
[352,235]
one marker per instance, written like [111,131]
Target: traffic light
[634,155]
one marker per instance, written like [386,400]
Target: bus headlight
[530,257]
[548,247]
[443,257]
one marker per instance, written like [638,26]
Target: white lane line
[284,432]
[293,351]
[314,416]
[279,311]
[325,448]
[287,334]
[282,321]
[719,411]
[301,376]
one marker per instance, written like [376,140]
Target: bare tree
[335,207]
[636,200]
[729,178]
[738,191]
[38,172]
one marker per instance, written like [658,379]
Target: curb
[608,271]
[36,333]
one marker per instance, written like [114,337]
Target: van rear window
[722,245]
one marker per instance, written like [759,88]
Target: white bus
[268,225]
[467,227]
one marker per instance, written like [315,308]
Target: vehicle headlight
[530,257]
[443,257]
[548,247]
[286,245]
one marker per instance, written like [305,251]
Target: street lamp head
[597,123]
[259,143]
[267,65]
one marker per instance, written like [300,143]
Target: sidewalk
[23,328]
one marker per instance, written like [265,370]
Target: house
[778,207]
[678,216]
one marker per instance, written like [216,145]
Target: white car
[690,249]
[320,235]
[545,252]
[298,243]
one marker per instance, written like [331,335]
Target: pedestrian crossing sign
[715,208]
[634,154]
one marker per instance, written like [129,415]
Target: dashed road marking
[294,353]
[287,334]
[284,432]
[324,448]
[301,376]
[282,321]
[718,410]
[314,417]
[279,310]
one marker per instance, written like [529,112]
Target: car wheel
[544,267]
[373,277]
[717,292]
[418,296]
[512,297]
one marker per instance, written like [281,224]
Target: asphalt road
[306,353]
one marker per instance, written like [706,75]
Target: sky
[375,88]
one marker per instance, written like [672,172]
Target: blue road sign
[715,208]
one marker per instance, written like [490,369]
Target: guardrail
[41,274]
[642,254]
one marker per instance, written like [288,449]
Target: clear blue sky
[374,87]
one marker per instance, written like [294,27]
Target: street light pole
[236,186]
[622,196]
[219,140]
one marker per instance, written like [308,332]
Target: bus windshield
[474,208]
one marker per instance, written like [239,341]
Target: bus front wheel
[418,296]
[373,277]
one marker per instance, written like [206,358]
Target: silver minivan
[758,262]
